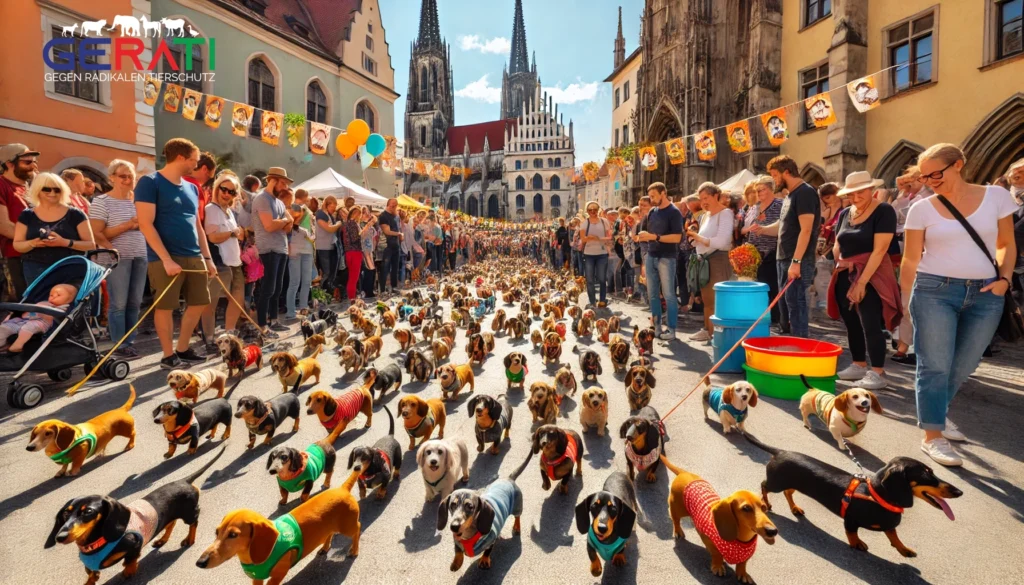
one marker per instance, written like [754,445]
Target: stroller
[70,341]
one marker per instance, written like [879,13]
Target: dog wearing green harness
[297,470]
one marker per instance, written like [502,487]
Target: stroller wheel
[25,397]
[60,375]
[117,370]
[12,393]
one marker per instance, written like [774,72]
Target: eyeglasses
[937,174]
[50,189]
[231,192]
[592,210]
[124,177]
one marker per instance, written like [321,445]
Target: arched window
[558,162]
[520,202]
[519,165]
[316,103]
[520,183]
[538,181]
[556,201]
[433,77]
[538,163]
[556,183]
[551,162]
[538,203]
[193,78]
[424,84]
[365,113]
[262,92]
[423,135]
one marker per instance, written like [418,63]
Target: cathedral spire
[430,28]
[519,60]
[620,44]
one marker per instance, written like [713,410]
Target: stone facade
[519,81]
[430,101]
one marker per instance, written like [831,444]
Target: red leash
[739,341]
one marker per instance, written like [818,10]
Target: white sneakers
[871,381]
[668,335]
[853,372]
[941,452]
[952,432]
[701,335]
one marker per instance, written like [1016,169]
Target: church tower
[430,101]
[519,82]
[620,44]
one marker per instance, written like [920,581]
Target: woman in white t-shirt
[712,241]
[957,292]
[224,234]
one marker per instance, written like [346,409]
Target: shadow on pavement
[556,525]
[598,450]
[157,474]
[504,554]
[421,533]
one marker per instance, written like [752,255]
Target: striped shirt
[113,212]
[764,244]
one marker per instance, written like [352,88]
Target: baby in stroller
[30,323]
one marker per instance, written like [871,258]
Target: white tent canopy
[331,182]
[735,183]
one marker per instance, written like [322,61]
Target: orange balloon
[345,145]
[358,131]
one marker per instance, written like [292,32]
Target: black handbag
[1011,324]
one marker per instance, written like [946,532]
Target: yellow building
[957,75]
[624,100]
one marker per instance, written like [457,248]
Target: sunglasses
[937,174]
[50,189]
[593,210]
[124,177]
[231,192]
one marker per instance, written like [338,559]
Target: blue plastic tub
[727,333]
[740,300]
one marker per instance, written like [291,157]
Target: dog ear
[728,393]
[625,428]
[875,405]
[115,519]
[484,517]
[294,460]
[422,409]
[753,397]
[725,519]
[536,441]
[629,377]
[420,454]
[442,513]
[842,402]
[650,379]
[508,361]
[351,458]
[494,410]
[62,517]
[156,411]
[270,459]
[583,514]
[627,518]
[262,539]
[309,399]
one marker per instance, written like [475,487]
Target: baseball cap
[10,152]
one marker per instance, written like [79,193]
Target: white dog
[731,403]
[845,415]
[439,461]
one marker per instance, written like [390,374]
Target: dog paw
[745,578]
[718,569]
[860,545]
[322,552]
[563,489]
[619,560]
[60,473]
[907,552]
[282,501]
[485,563]
[187,542]
[159,543]
[796,510]
[595,568]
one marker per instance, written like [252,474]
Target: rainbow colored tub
[792,356]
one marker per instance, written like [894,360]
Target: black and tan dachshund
[607,518]
[379,465]
[419,365]
[329,316]
[560,450]
[263,418]
[874,503]
[386,378]
[297,470]
[645,442]
[590,364]
[493,419]
[311,328]
[108,532]
[183,424]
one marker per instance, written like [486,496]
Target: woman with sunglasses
[596,235]
[50,229]
[112,215]
[957,299]
[224,236]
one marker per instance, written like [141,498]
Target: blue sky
[573,39]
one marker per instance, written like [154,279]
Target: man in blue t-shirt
[179,258]
[664,231]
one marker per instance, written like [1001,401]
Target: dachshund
[107,531]
[313,343]
[602,330]
[311,328]
[372,346]
[584,326]
[493,420]
[184,424]
[515,328]
[473,327]
[537,338]
[189,386]
[67,444]
[439,461]
[730,403]
[845,415]
[341,335]
[594,410]
[420,417]
[618,351]
[382,380]
[728,526]
[292,371]
[325,314]
[429,327]
[552,347]
[263,418]
[380,464]
[418,365]
[498,322]
[535,308]
[479,346]
[447,330]
[341,410]
[351,358]
[645,442]
[405,337]
[643,339]
[607,518]
[574,312]
[613,324]
[442,349]
[542,403]
[238,357]
[590,364]
[873,503]
[516,370]
[547,325]
[553,310]
[297,470]
[560,450]
[565,384]
[639,383]
[453,379]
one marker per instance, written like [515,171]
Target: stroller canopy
[77,271]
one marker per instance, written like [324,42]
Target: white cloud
[497,45]
[480,91]
[575,92]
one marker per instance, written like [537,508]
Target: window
[520,202]
[616,97]
[519,165]
[625,134]
[423,135]
[538,163]
[316,103]
[556,201]
[558,162]
[812,82]
[1011,27]
[538,203]
[369,26]
[424,84]
[815,10]
[262,92]
[625,92]
[556,183]
[193,78]
[369,65]
[78,87]
[369,43]
[365,113]
[538,181]
[520,183]
[909,49]
[551,163]
[616,138]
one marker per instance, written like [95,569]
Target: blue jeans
[614,278]
[796,297]
[661,276]
[125,285]
[417,259]
[403,273]
[594,268]
[954,323]
[300,273]
[389,267]
[274,265]
[329,265]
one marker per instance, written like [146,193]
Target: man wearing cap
[271,223]
[179,258]
[18,166]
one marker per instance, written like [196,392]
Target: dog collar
[434,484]
[851,494]
[64,457]
[93,546]
[570,452]
[450,387]
[853,425]
[305,461]
[467,545]
[412,430]
[607,550]
[256,425]
[178,432]
[642,462]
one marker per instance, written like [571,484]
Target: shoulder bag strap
[970,230]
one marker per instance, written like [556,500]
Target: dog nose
[30,448]
[203,562]
[454,526]
[771,531]
[602,527]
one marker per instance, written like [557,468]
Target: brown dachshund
[537,338]
[498,322]
[292,371]
[372,346]
[405,338]
[542,403]
[351,359]
[453,379]
[480,345]
[552,347]
[515,328]
[618,351]
[594,410]
[560,450]
[639,382]
[188,385]
[331,411]
[420,417]
[313,343]
[442,348]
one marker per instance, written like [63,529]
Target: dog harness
[644,396]
[517,378]
[493,433]
[346,407]
[142,521]
[698,498]
[642,462]
[255,427]
[872,496]
[715,401]
[506,500]
[313,463]
[64,457]
[570,453]
[427,420]
[250,355]
[606,550]
[385,470]
[289,538]
[452,387]
[176,435]
[824,403]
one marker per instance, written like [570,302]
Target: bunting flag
[775,126]
[428,169]
[319,138]
[388,160]
[408,165]
[190,105]
[241,117]
[151,90]
[675,149]
[649,158]
[441,173]
[738,134]
[420,167]
[270,126]
[864,93]
[705,145]
[214,111]
[820,110]
[172,98]
[590,171]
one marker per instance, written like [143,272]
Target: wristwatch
[796,260]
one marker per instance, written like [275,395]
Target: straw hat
[279,173]
[857,181]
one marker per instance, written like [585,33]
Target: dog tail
[806,383]
[669,465]
[350,480]
[192,478]
[522,467]
[333,436]
[131,398]
[391,424]
[233,386]
[757,443]
[316,351]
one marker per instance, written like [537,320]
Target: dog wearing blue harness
[607,518]
[731,403]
